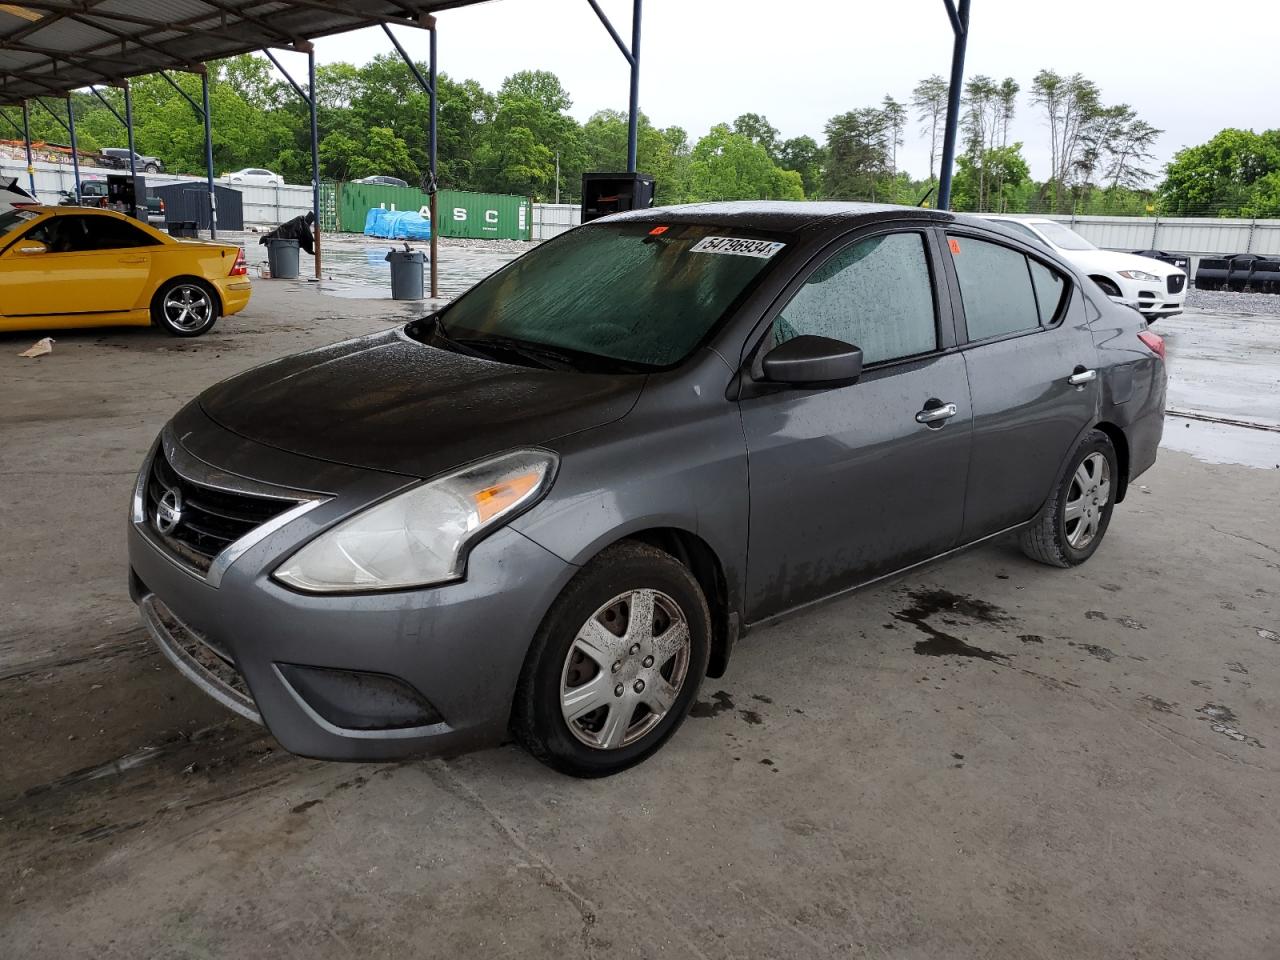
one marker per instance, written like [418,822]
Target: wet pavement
[986,759]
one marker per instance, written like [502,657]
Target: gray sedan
[554,506]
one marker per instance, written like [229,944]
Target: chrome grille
[198,522]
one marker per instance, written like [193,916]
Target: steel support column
[428,84]
[632,55]
[75,150]
[208,155]
[26,136]
[960,26]
[128,128]
[315,150]
[433,184]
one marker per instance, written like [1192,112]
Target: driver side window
[876,294]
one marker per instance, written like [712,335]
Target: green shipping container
[495,216]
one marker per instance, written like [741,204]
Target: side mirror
[30,247]
[810,361]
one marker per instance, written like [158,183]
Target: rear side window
[1049,287]
[876,294]
[996,287]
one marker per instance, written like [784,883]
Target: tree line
[522,139]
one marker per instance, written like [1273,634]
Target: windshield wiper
[528,349]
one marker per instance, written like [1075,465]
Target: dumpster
[406,273]
[1180,260]
[1242,271]
[282,258]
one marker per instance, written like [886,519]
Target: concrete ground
[1092,773]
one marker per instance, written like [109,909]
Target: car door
[1032,369]
[852,482]
[86,264]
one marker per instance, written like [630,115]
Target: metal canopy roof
[51,47]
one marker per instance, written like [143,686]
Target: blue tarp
[397,224]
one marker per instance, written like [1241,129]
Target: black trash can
[406,273]
[282,258]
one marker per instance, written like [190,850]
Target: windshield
[641,294]
[1062,237]
[12,219]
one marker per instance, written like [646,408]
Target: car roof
[779,216]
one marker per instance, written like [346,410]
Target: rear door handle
[937,414]
[1082,376]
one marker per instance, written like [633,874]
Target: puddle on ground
[1223,443]
[720,702]
[1222,719]
[928,602]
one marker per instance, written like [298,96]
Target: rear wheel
[615,665]
[1072,524]
[185,307]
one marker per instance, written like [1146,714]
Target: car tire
[589,624]
[1071,525]
[151,168]
[185,307]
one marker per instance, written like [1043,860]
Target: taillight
[240,268]
[1154,342]
[162,206]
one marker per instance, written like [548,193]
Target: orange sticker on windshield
[954,244]
[658,231]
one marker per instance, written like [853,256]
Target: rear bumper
[235,293]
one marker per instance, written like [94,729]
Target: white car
[254,176]
[1154,288]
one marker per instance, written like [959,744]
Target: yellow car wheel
[185,307]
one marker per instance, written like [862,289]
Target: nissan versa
[553,506]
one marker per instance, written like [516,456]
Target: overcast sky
[802,61]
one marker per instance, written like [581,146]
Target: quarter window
[1049,287]
[876,294]
[996,287]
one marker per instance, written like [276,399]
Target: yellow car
[66,267]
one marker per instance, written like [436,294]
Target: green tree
[857,155]
[730,166]
[1236,173]
[757,128]
[929,98]
[804,156]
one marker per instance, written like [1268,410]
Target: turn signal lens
[1154,342]
[491,501]
[240,268]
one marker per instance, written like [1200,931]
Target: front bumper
[245,640]
[1152,299]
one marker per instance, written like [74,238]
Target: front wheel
[1107,287]
[185,307]
[615,665]
[1073,522]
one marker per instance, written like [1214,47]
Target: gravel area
[1222,301]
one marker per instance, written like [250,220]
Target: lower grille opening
[355,700]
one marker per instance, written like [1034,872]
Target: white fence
[1199,236]
[261,204]
[552,219]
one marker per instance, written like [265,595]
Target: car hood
[1112,261]
[387,402]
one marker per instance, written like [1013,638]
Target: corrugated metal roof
[50,47]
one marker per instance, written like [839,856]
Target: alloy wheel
[1087,500]
[188,307]
[625,669]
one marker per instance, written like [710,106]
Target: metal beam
[428,84]
[75,150]
[106,103]
[306,97]
[960,26]
[208,157]
[194,106]
[313,103]
[128,129]
[632,55]
[26,135]
[13,123]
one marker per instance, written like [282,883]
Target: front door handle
[133,259]
[936,412]
[1081,376]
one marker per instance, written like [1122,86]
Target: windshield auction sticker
[737,247]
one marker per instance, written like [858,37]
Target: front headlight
[1139,275]
[421,536]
